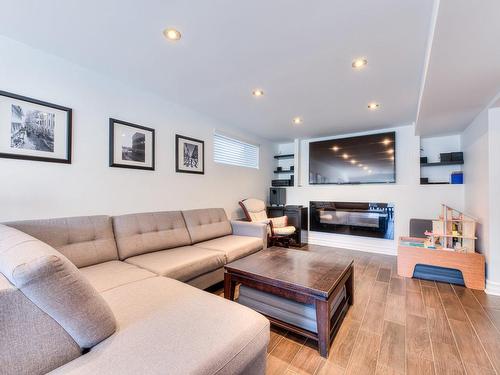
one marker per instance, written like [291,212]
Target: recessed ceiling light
[257,92]
[391,151]
[297,120]
[345,156]
[373,106]
[359,63]
[353,161]
[172,34]
[365,168]
[335,148]
[386,141]
[360,165]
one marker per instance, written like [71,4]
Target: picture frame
[189,155]
[131,145]
[32,129]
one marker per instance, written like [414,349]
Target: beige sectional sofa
[115,295]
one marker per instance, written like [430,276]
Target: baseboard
[370,245]
[493,288]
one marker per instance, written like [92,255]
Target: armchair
[279,232]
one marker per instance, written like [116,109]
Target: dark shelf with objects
[288,169]
[445,160]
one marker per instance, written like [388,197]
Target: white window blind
[235,152]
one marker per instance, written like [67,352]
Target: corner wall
[481,142]
[30,189]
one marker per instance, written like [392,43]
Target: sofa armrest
[245,228]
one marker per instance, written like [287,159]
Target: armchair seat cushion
[109,275]
[234,247]
[284,231]
[182,263]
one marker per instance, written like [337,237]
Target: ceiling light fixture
[386,141]
[257,92]
[359,63]
[353,161]
[297,120]
[172,34]
[360,165]
[365,168]
[391,151]
[373,106]
[335,148]
[345,156]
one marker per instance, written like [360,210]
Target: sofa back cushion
[208,223]
[85,240]
[143,233]
[55,286]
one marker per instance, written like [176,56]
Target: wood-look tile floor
[399,326]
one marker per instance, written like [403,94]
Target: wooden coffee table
[303,276]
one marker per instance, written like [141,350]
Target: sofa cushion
[56,286]
[143,233]
[109,275]
[84,240]
[31,342]
[233,246]
[165,326]
[206,224]
[182,263]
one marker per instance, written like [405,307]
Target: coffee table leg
[349,285]
[323,322]
[229,286]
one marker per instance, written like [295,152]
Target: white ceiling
[298,52]
[463,74]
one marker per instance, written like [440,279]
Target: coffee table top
[316,273]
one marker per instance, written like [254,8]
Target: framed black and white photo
[189,155]
[31,129]
[131,145]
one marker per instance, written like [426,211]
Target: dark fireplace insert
[365,219]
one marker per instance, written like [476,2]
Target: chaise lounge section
[139,266]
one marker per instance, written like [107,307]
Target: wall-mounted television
[366,159]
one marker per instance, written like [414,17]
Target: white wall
[411,199]
[476,176]
[481,142]
[30,189]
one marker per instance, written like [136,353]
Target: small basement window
[235,152]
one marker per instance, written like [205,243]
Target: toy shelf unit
[447,254]
[453,231]
[445,266]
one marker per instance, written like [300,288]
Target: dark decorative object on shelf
[280,182]
[445,156]
[457,156]
[423,160]
[131,146]
[291,180]
[292,168]
[277,196]
[34,130]
[424,180]
[189,155]
[279,169]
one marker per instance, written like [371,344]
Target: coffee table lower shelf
[327,327]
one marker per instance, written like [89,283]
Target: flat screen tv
[367,159]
